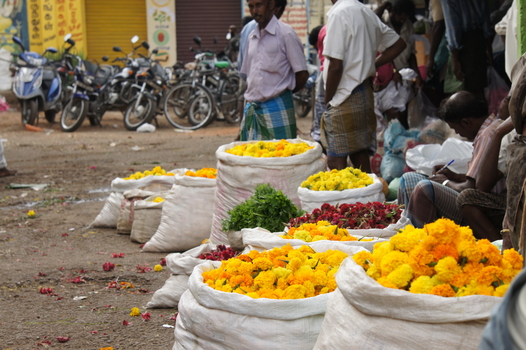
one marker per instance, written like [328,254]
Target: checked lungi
[269,120]
[350,127]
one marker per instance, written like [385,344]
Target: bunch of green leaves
[267,208]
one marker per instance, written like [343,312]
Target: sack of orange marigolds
[434,286]
[260,300]
[241,166]
[349,185]
[155,180]
[186,218]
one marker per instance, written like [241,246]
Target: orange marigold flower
[514,258]
[443,290]
[442,250]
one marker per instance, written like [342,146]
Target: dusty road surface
[58,254]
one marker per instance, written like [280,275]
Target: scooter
[37,85]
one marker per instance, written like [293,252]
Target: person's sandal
[6,172]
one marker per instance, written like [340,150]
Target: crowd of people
[365,58]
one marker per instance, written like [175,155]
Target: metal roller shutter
[207,19]
[112,23]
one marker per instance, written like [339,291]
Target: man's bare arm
[390,53]
[301,79]
[334,75]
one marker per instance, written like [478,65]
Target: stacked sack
[154,181]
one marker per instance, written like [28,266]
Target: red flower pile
[221,253]
[353,216]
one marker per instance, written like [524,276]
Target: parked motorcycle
[305,98]
[37,85]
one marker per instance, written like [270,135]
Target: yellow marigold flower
[501,290]
[513,257]
[265,279]
[363,259]
[296,291]
[401,276]
[374,272]
[407,239]
[447,268]
[31,213]
[158,268]
[470,289]
[392,260]
[383,281]
[380,250]
[294,264]
[262,263]
[469,250]
[490,252]
[254,295]
[443,290]
[484,290]
[158,200]
[422,285]
[444,230]
[135,311]
[281,272]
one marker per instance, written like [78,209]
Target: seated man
[443,194]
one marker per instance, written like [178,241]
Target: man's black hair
[247,19]
[404,6]
[313,35]
[281,3]
[464,105]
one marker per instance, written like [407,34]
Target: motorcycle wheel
[73,115]
[135,117]
[50,115]
[29,112]
[302,103]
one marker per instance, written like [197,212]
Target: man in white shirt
[354,36]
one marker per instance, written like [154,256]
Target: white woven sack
[109,214]
[263,239]
[127,211]
[237,178]
[211,319]
[362,314]
[186,217]
[181,266]
[170,293]
[147,218]
[311,200]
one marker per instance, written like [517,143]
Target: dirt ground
[58,250]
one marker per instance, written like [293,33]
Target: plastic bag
[496,90]
[419,109]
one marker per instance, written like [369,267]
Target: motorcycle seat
[102,74]
[222,64]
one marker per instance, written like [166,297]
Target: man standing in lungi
[275,67]
[354,36]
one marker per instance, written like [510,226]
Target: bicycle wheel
[138,113]
[178,102]
[201,112]
[228,99]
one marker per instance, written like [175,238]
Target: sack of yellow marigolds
[241,166]
[349,185]
[186,218]
[308,234]
[434,286]
[260,300]
[156,179]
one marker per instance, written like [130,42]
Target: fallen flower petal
[108,266]
[117,255]
[126,323]
[146,316]
[93,167]
[163,262]
[135,311]
[65,235]
[94,332]
[62,339]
